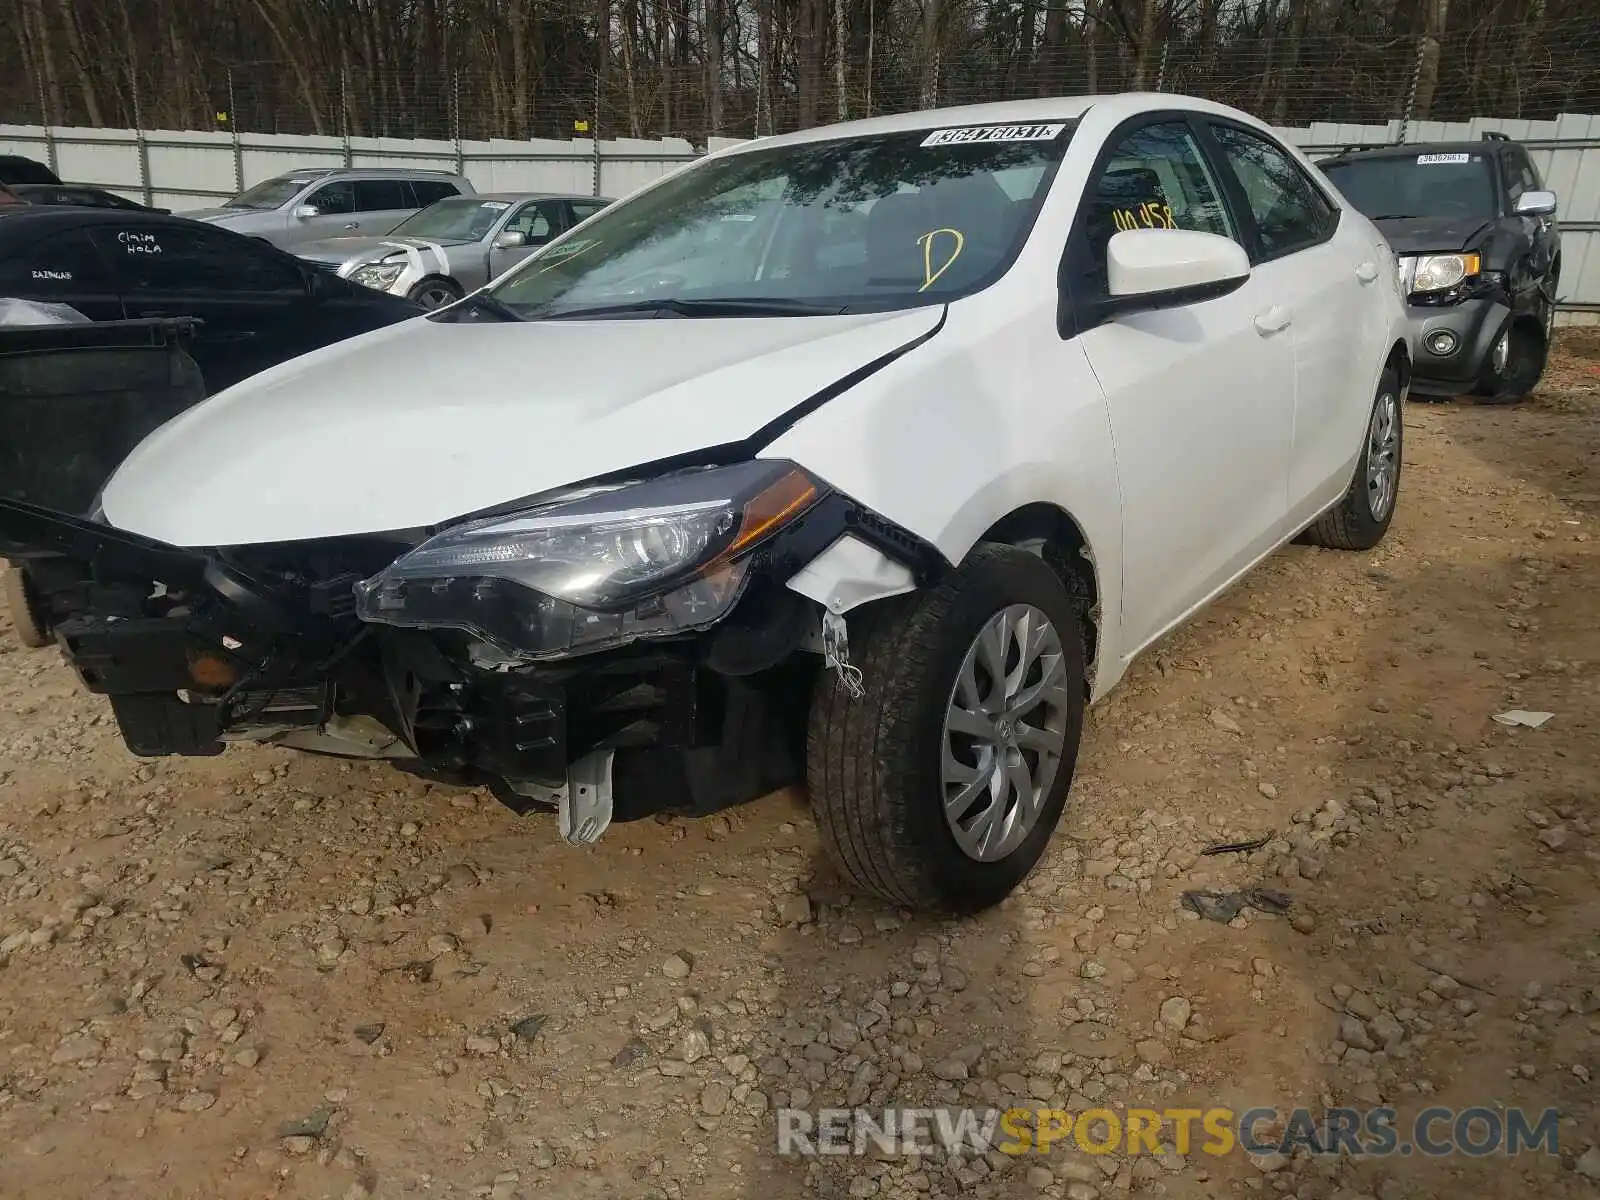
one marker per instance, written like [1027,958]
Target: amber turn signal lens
[210,672]
[780,503]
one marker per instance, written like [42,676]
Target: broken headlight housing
[1440,272]
[595,569]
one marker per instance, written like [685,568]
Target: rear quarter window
[427,191]
[57,265]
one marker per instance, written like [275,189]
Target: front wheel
[33,628]
[1516,363]
[938,788]
[435,293]
[1359,521]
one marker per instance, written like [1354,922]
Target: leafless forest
[520,68]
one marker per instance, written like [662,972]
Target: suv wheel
[939,787]
[1516,363]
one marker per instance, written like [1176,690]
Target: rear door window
[60,265]
[1290,211]
[151,259]
[382,195]
[427,191]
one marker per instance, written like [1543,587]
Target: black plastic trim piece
[109,552]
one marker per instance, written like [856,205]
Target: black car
[78,195]
[14,168]
[257,305]
[1479,252]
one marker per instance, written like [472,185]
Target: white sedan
[865,457]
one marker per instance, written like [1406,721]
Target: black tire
[435,285]
[1526,355]
[873,763]
[1351,524]
[33,630]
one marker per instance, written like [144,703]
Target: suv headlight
[379,275]
[1439,272]
[598,569]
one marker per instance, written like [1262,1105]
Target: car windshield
[1426,184]
[272,193]
[461,218]
[855,224]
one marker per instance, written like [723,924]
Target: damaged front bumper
[195,649]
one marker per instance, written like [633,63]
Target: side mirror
[303,212]
[1536,204]
[1165,268]
[511,239]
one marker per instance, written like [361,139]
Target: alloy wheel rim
[1005,732]
[1502,353]
[1383,456]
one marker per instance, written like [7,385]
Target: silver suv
[325,202]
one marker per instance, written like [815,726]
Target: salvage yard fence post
[238,147]
[1411,89]
[49,126]
[143,145]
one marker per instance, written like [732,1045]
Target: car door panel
[251,301]
[335,203]
[381,204]
[1200,397]
[1325,281]
[1200,435]
[64,268]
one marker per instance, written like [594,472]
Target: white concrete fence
[190,169]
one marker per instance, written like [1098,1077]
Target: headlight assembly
[598,569]
[379,275]
[1439,272]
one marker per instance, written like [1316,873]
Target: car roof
[319,172]
[28,221]
[1412,149]
[1116,105]
[20,163]
[529,196]
[56,187]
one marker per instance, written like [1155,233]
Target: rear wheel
[1359,521]
[939,787]
[33,629]
[1516,362]
[435,293]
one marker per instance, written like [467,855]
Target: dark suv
[1479,253]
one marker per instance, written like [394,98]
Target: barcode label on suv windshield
[1427,159]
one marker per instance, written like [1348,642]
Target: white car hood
[425,421]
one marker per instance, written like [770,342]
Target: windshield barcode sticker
[1430,159]
[993,133]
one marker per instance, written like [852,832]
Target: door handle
[1274,320]
[353,225]
[1366,272]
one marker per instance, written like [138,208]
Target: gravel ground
[271,975]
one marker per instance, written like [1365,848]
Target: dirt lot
[268,975]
